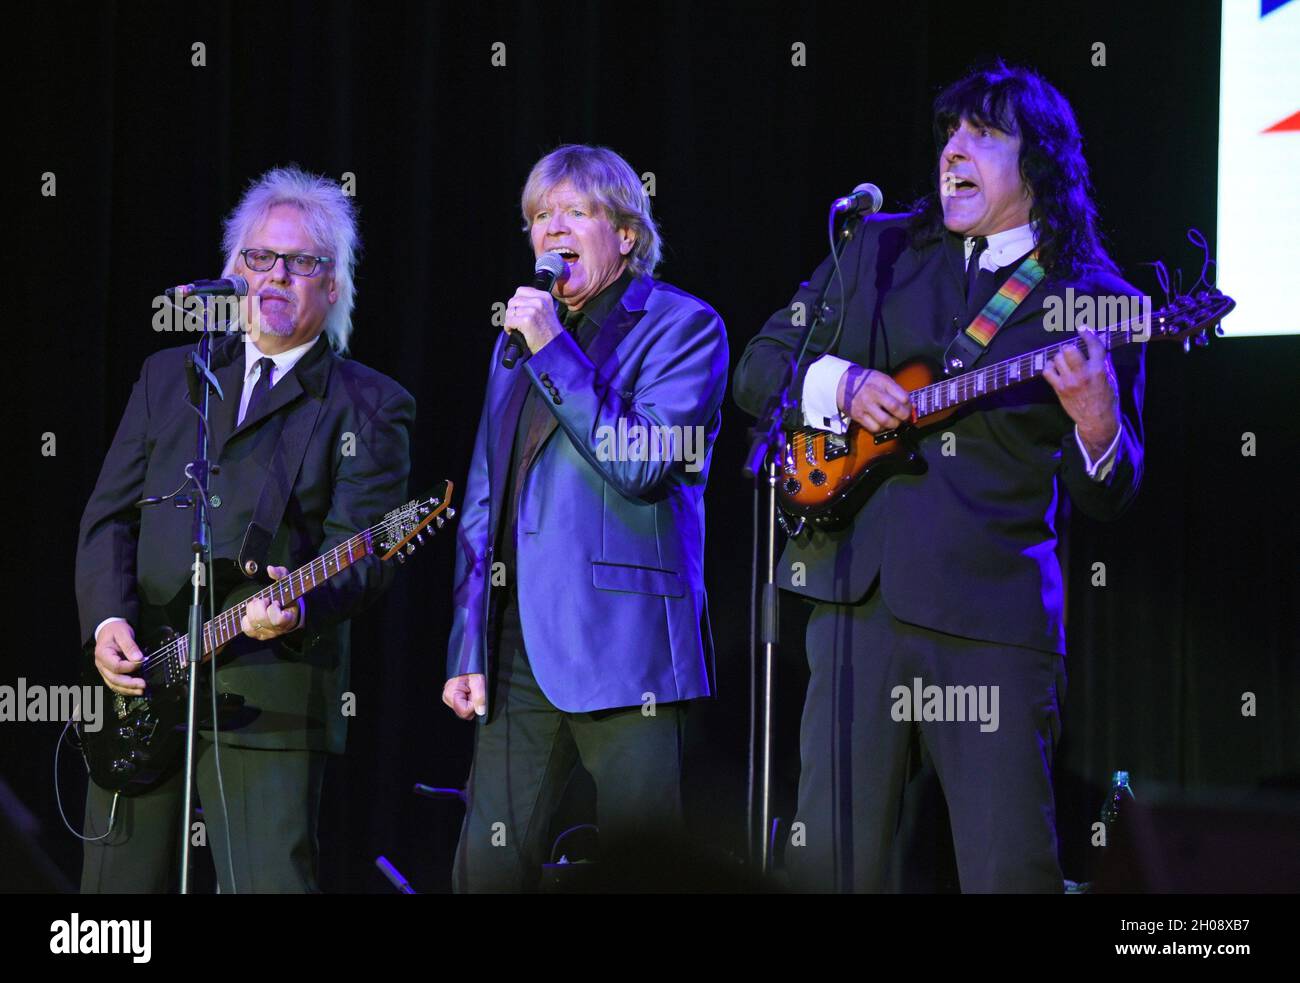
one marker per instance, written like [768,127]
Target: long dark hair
[1020,101]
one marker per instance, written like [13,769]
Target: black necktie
[260,388]
[973,265]
[576,325]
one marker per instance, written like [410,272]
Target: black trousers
[855,738]
[273,798]
[524,755]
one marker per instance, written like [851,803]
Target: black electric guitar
[139,743]
[825,478]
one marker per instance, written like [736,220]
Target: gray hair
[330,218]
[609,181]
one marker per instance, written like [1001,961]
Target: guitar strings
[812,434]
[173,648]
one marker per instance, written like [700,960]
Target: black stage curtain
[747,148]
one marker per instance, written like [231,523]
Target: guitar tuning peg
[410,548]
[401,557]
[438,522]
[1187,345]
[451,513]
[1201,340]
[419,537]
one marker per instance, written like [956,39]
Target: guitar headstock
[1188,318]
[406,525]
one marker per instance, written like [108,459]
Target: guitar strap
[291,447]
[965,349]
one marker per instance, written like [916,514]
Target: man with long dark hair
[940,611]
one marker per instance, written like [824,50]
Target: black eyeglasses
[299,264]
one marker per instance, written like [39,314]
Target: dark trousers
[273,798]
[523,757]
[997,782]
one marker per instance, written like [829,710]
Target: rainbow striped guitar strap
[965,350]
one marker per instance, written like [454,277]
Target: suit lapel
[282,393]
[622,319]
[311,367]
[228,367]
[506,393]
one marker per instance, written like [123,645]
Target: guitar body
[825,479]
[138,745]
[140,742]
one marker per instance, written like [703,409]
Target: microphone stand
[767,447]
[201,382]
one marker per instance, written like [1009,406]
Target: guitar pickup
[837,445]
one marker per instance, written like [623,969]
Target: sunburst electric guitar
[825,478]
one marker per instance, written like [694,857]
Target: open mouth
[955,186]
[565,253]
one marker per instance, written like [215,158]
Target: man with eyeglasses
[309,448]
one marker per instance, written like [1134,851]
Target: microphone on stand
[235,286]
[548,269]
[866,199]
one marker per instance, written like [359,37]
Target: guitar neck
[957,390]
[226,625]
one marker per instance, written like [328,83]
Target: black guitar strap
[291,445]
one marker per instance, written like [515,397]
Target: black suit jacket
[130,562]
[969,547]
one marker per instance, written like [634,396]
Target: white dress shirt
[283,363]
[822,382]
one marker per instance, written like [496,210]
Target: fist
[532,313]
[466,695]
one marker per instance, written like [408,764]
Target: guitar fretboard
[226,625]
[972,385]
[171,658]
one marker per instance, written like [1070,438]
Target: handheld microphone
[866,199]
[235,286]
[548,269]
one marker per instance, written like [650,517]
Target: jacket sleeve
[467,646]
[767,360]
[110,525]
[1107,499]
[680,384]
[367,484]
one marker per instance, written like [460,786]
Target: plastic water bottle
[1121,793]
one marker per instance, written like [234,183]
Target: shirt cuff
[820,386]
[100,627]
[1099,471]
